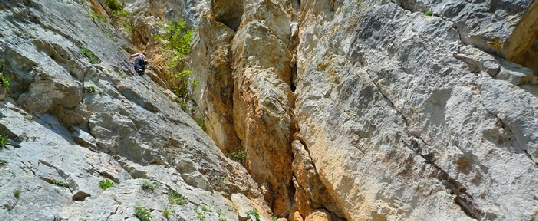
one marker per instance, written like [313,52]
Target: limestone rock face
[262,101]
[400,126]
[403,110]
[75,114]
[212,55]
[243,56]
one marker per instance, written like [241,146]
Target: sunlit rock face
[73,114]
[380,110]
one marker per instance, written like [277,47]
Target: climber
[140,62]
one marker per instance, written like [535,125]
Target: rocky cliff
[84,138]
[336,109]
[377,110]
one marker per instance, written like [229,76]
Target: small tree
[177,39]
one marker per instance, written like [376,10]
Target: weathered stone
[213,95]
[88,123]
[262,99]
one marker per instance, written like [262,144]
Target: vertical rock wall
[403,110]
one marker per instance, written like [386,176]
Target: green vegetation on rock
[90,55]
[177,40]
[4,141]
[17,193]
[105,184]
[176,198]
[142,213]
[148,185]
[254,213]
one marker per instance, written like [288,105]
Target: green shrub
[147,185]
[105,184]
[126,23]
[201,215]
[122,13]
[114,5]
[5,81]
[91,89]
[239,155]
[177,39]
[59,183]
[428,13]
[90,55]
[166,212]
[142,213]
[205,208]
[4,141]
[222,217]
[200,123]
[122,75]
[17,193]
[3,163]
[254,213]
[94,16]
[176,198]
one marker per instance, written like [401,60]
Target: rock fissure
[462,198]
[503,125]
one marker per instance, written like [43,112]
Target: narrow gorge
[282,110]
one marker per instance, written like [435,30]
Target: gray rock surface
[76,114]
[405,110]
[400,126]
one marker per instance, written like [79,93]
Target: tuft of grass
[5,81]
[90,55]
[274,218]
[254,213]
[428,13]
[205,208]
[142,213]
[222,217]
[238,156]
[201,215]
[147,185]
[91,89]
[176,198]
[121,74]
[105,184]
[166,212]
[200,122]
[17,193]
[3,163]
[59,183]
[4,141]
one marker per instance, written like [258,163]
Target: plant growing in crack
[17,193]
[148,185]
[428,13]
[142,213]
[4,141]
[176,198]
[105,184]
[59,183]
[254,213]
